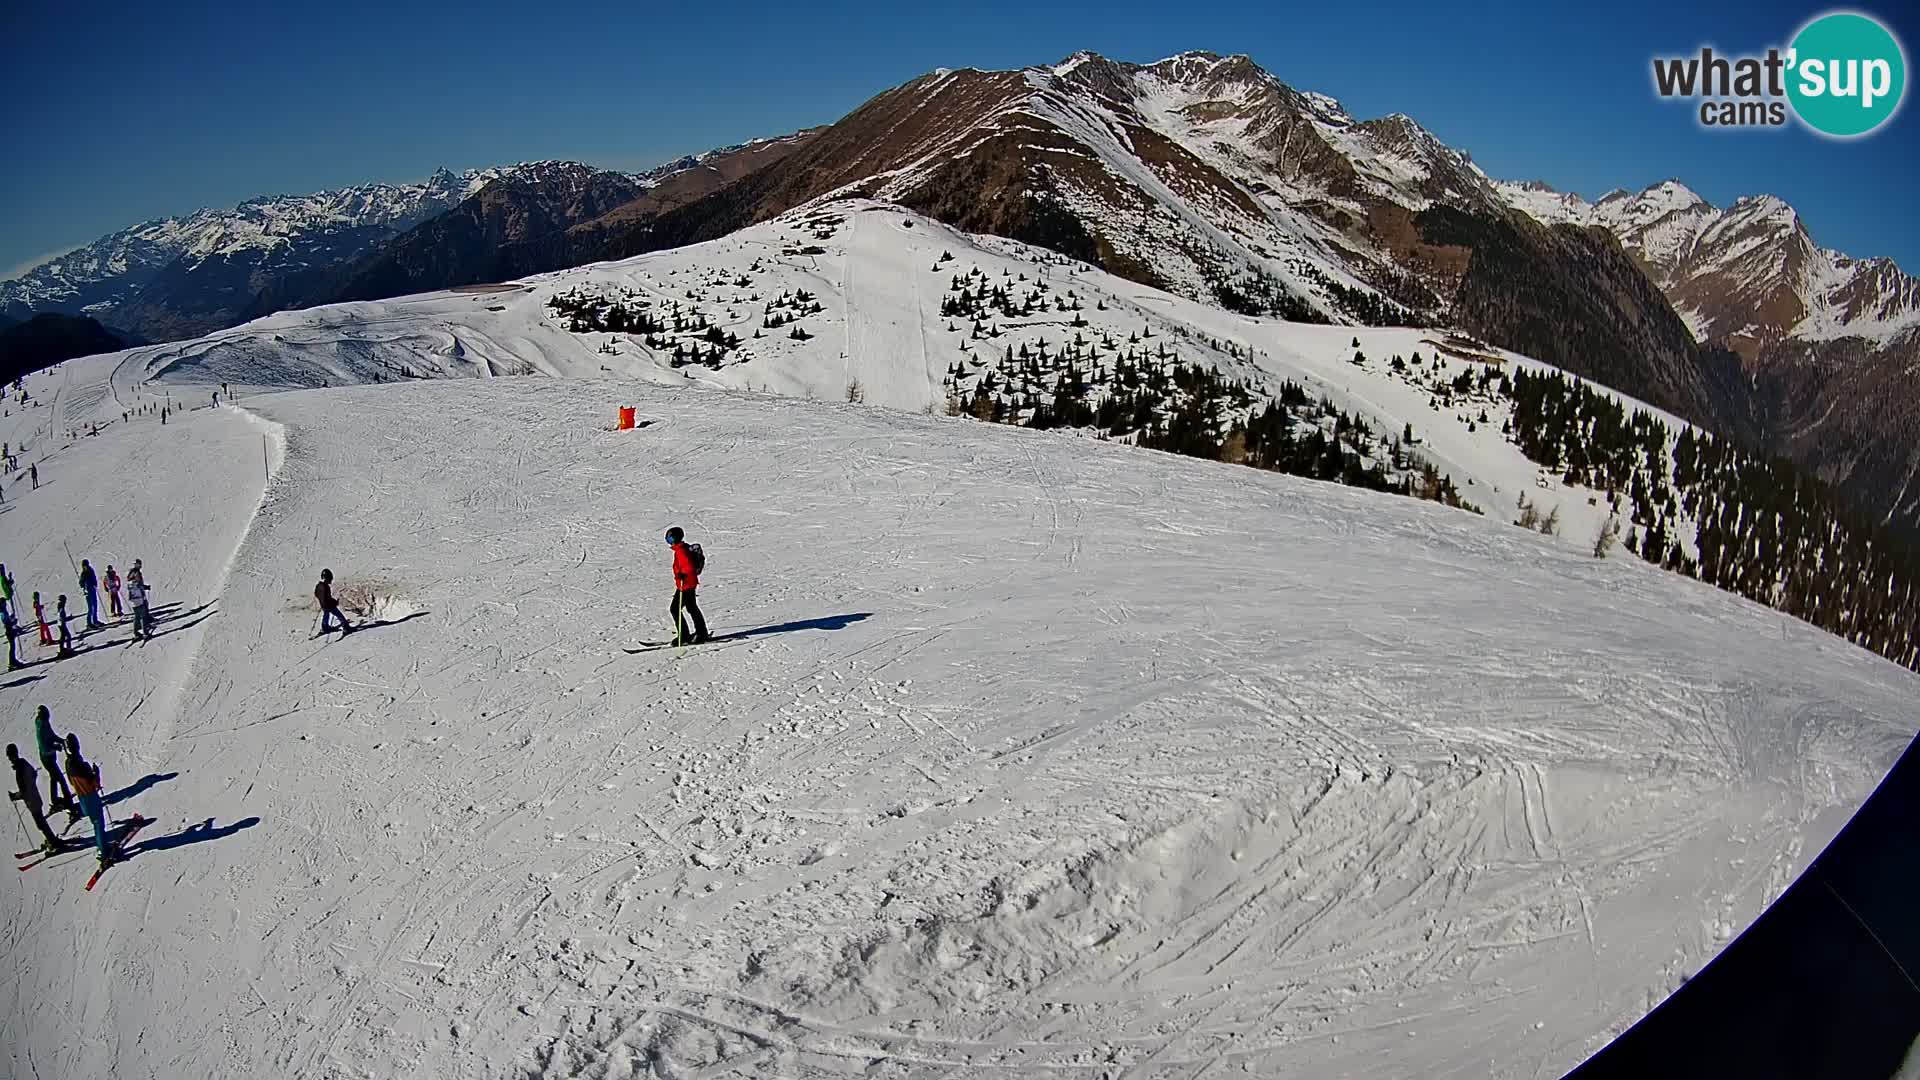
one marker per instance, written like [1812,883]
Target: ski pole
[21,818]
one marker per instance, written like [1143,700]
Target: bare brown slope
[1849,411]
[712,173]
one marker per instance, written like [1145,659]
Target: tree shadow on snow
[202,833]
[137,787]
[825,622]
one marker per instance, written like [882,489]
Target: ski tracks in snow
[1035,755]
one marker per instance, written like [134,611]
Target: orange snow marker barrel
[626,418]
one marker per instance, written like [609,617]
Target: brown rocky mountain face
[693,179]
[1206,176]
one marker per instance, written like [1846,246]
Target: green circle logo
[1847,74]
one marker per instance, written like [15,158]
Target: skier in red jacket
[686,578]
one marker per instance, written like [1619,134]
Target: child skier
[85,778]
[40,616]
[113,594]
[137,596]
[329,607]
[66,636]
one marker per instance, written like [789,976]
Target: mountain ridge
[1207,175]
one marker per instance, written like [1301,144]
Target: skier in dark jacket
[686,578]
[59,795]
[85,778]
[90,588]
[27,790]
[329,607]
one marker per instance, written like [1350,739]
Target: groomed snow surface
[1035,756]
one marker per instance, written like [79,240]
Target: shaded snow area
[1024,754]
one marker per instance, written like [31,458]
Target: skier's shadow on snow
[825,622]
[23,681]
[357,627]
[202,833]
[77,650]
[362,626]
[171,612]
[137,787]
[186,620]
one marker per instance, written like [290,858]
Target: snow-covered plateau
[1022,753]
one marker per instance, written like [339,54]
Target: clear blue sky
[120,112]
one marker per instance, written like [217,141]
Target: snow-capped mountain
[1748,275]
[180,276]
[1829,345]
[1207,176]
[516,226]
[1202,174]
[459,246]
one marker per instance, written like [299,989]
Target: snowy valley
[1023,752]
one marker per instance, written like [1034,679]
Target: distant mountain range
[1828,345]
[1202,174]
[181,277]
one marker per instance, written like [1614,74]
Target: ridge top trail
[1400,760]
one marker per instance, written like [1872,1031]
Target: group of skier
[73,787]
[57,633]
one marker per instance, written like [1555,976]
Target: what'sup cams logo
[1843,76]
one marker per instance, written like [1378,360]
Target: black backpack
[697,557]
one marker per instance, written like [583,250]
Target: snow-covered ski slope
[877,273]
[1039,756]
